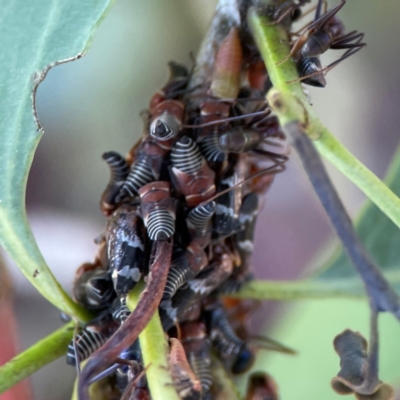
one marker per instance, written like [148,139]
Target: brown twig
[137,321]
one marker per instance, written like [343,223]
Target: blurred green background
[92,105]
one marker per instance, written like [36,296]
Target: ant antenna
[269,170]
[255,114]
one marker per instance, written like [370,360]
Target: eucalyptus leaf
[35,36]
[379,234]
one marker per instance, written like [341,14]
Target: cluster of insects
[194,181]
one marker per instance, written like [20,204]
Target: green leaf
[223,382]
[40,354]
[379,234]
[35,35]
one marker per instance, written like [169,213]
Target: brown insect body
[166,123]
[167,111]
[199,223]
[198,351]
[154,154]
[126,248]
[211,111]
[183,268]
[92,287]
[185,381]
[261,386]
[158,210]
[186,304]
[257,75]
[119,171]
[145,168]
[208,136]
[191,174]
[178,80]
[225,81]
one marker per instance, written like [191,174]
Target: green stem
[300,290]
[223,382]
[290,104]
[40,354]
[154,347]
[17,239]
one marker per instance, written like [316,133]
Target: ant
[324,33]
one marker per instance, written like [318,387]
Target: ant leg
[222,121]
[347,54]
[296,47]
[289,10]
[297,33]
[270,154]
[345,41]
[326,69]
[282,16]
[318,10]
[321,21]
[271,344]
[317,24]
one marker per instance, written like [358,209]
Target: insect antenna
[223,121]
[273,169]
[270,344]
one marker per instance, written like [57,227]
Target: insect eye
[243,361]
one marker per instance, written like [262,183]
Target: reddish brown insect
[184,267]
[167,122]
[199,223]
[198,351]
[145,168]
[192,176]
[208,136]
[119,169]
[186,304]
[225,81]
[185,381]
[158,210]
[261,386]
[176,85]
[257,75]
[92,287]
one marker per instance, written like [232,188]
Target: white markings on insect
[127,272]
[131,239]
[247,217]
[246,245]
[224,210]
[200,286]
